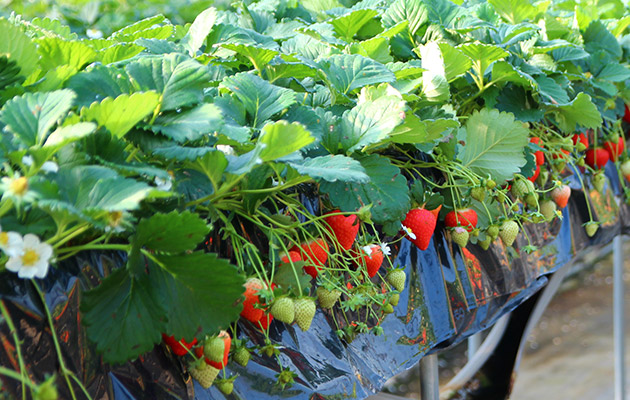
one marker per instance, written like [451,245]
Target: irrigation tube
[618,319]
[429,378]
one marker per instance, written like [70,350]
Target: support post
[474,342]
[618,319]
[429,378]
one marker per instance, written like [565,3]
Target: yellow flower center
[114,218]
[4,238]
[29,258]
[19,186]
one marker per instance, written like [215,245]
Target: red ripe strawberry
[372,258]
[540,156]
[422,223]
[563,156]
[582,139]
[467,218]
[536,173]
[560,194]
[252,286]
[597,158]
[211,348]
[626,115]
[615,149]
[264,322]
[294,256]
[315,253]
[345,229]
[179,349]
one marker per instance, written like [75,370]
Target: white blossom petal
[28,160]
[385,249]
[367,250]
[50,167]
[409,232]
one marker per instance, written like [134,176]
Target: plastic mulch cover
[450,295]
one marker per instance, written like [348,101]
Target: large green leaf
[202,293]
[258,56]
[332,168]
[9,72]
[260,98]
[98,83]
[18,47]
[456,63]
[386,191]
[494,144]
[346,26]
[124,316]
[190,125]
[55,52]
[31,116]
[172,233]
[376,48]
[598,38]
[283,138]
[482,56]
[179,80]
[551,91]
[121,114]
[200,28]
[614,73]
[349,72]
[118,52]
[514,11]
[415,12]
[580,111]
[370,122]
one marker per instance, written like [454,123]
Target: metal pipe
[618,319]
[474,342]
[429,378]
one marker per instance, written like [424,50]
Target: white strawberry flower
[408,231]
[50,166]
[32,259]
[367,250]
[10,242]
[385,249]
[226,149]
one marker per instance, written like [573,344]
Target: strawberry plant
[249,159]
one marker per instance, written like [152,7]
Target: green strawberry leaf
[118,52]
[55,52]
[598,38]
[199,30]
[121,114]
[551,91]
[376,48]
[258,56]
[31,116]
[387,191]
[346,26]
[172,233]
[482,56]
[580,111]
[98,83]
[260,98]
[456,63]
[189,125]
[124,316]
[614,73]
[201,290]
[332,168]
[18,47]
[283,138]
[351,71]
[514,11]
[494,144]
[415,12]
[9,73]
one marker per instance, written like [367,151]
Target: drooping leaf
[349,72]
[580,111]
[124,316]
[503,71]
[283,138]
[200,28]
[18,47]
[190,125]
[332,168]
[494,144]
[260,98]
[31,116]
[67,134]
[387,191]
[174,232]
[179,80]
[201,290]
[121,114]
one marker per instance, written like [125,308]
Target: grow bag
[450,294]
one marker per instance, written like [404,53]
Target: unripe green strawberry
[478,193]
[388,309]
[460,236]
[282,309]
[485,244]
[214,348]
[548,209]
[520,188]
[599,179]
[625,169]
[491,184]
[396,278]
[204,373]
[226,386]
[531,199]
[509,231]
[543,177]
[241,356]
[493,231]
[500,197]
[394,299]
[591,228]
[515,207]
[327,298]
[304,312]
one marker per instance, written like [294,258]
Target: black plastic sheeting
[450,294]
